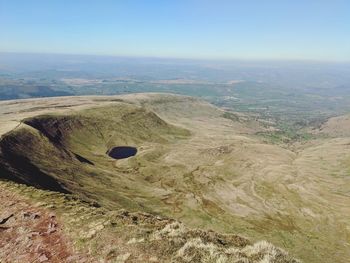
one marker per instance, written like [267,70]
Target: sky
[204,29]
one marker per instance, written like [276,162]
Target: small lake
[122,152]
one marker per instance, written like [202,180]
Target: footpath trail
[31,234]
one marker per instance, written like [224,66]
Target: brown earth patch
[31,234]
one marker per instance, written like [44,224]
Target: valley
[208,167]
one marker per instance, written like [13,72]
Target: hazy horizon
[185,59]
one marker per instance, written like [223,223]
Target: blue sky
[261,29]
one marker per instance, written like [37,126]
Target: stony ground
[32,234]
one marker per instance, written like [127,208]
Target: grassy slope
[101,235]
[210,173]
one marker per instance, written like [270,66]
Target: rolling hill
[195,163]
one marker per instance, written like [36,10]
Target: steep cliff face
[59,152]
[23,155]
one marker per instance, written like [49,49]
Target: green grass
[180,174]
